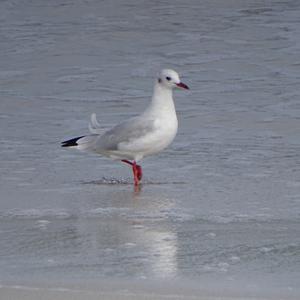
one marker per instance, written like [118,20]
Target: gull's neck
[162,100]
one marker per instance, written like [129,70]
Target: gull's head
[170,79]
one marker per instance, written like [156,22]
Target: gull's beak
[182,86]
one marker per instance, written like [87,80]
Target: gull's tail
[84,142]
[72,142]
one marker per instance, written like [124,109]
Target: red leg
[136,169]
[135,173]
[127,162]
[139,172]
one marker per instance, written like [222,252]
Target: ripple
[33,214]
[127,181]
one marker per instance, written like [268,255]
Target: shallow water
[221,205]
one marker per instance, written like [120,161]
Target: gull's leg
[136,169]
[127,162]
[139,172]
[135,173]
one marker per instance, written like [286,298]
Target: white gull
[140,136]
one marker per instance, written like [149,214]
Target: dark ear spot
[159,80]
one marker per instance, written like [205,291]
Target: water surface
[220,206]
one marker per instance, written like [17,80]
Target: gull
[146,134]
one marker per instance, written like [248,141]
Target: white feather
[94,126]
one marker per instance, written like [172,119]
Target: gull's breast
[163,136]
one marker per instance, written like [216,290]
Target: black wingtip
[72,142]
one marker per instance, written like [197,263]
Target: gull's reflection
[136,239]
[162,248]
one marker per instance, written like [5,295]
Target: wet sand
[128,291]
[48,294]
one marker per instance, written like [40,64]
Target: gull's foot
[137,171]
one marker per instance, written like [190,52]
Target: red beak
[182,86]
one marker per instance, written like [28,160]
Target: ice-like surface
[221,205]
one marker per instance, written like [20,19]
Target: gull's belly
[143,147]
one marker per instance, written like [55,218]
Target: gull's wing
[125,133]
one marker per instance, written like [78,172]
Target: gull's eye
[168,78]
